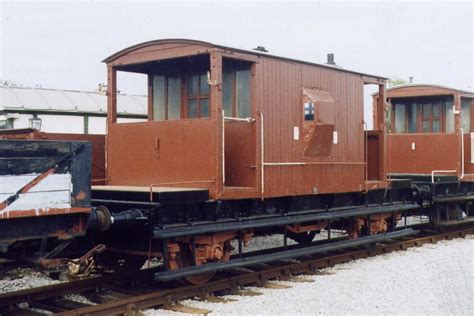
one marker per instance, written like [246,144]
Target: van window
[466,115]
[411,118]
[399,118]
[432,117]
[449,116]
[197,95]
[171,103]
[309,111]
[174,97]
[236,88]
[159,97]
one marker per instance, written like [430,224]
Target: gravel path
[430,280]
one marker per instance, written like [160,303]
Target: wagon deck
[149,194]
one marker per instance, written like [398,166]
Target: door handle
[157,148]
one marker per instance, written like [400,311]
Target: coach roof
[238,50]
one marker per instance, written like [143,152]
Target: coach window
[405,117]
[309,111]
[236,88]
[431,117]
[166,97]
[411,118]
[449,116]
[197,95]
[466,115]
[400,123]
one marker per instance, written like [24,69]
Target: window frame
[420,102]
[431,118]
[408,109]
[184,97]
[9,123]
[394,119]
[310,116]
[237,65]
[470,104]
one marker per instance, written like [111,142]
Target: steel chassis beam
[278,220]
[281,255]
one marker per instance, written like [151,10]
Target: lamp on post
[35,122]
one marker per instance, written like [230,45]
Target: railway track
[130,293]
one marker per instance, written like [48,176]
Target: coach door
[239,124]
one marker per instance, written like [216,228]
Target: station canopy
[63,101]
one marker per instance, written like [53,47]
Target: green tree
[392,82]
[7,83]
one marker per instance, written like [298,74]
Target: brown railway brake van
[431,131]
[242,124]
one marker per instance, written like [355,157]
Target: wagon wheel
[302,238]
[185,259]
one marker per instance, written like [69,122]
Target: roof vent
[261,49]
[331,59]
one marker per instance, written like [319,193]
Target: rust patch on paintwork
[62,234]
[43,212]
[78,227]
[52,263]
[299,228]
[319,141]
[80,196]
[376,224]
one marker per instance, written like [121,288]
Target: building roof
[67,101]
[239,50]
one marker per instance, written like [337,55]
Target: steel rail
[166,297]
[71,287]
[84,285]
[278,270]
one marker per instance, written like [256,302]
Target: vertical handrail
[462,152]
[366,137]
[462,155]
[262,162]
[223,149]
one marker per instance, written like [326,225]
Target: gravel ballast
[432,279]
[23,278]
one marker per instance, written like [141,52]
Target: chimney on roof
[411,79]
[331,59]
[261,49]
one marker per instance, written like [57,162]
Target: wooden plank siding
[277,94]
[281,103]
[421,153]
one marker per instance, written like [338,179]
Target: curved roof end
[424,85]
[155,42]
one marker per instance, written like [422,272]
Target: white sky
[61,45]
